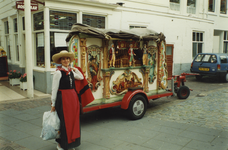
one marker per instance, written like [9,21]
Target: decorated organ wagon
[124,68]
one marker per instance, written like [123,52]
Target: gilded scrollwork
[152,62]
[83,54]
[163,73]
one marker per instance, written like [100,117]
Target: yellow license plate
[203,69]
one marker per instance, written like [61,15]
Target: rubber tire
[183,92]
[137,98]
[198,77]
[225,78]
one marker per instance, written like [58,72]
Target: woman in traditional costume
[65,100]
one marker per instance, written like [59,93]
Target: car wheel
[183,92]
[137,107]
[198,77]
[226,78]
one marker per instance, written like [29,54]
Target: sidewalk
[109,129]
[11,93]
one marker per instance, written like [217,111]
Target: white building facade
[190,27]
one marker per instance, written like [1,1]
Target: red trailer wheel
[183,92]
[137,107]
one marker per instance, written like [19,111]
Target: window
[15,24]
[38,20]
[8,47]
[175,5]
[17,48]
[211,5]
[94,21]
[223,6]
[16,38]
[223,59]
[57,43]
[206,58]
[197,43]
[191,6]
[23,23]
[213,59]
[199,58]
[131,27]
[62,20]
[40,49]
[6,27]
[225,44]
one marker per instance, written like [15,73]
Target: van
[210,64]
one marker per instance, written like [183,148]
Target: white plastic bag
[51,125]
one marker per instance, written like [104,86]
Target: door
[169,59]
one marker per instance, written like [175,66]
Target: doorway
[169,59]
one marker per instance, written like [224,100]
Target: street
[197,123]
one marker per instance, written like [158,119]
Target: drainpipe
[28,43]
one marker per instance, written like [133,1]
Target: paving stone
[10,121]
[142,132]
[199,145]
[220,142]
[130,146]
[173,139]
[10,112]
[197,136]
[4,128]
[106,141]
[169,130]
[223,134]
[90,146]
[25,117]
[131,138]
[33,143]
[14,135]
[204,130]
[37,122]
[161,145]
[24,126]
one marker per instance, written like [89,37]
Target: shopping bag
[51,125]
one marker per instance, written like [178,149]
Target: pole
[29,60]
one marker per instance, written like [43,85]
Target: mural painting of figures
[94,67]
[93,71]
[124,81]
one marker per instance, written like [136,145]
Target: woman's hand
[74,69]
[52,108]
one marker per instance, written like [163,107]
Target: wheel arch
[129,95]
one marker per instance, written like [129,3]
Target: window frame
[96,15]
[225,42]
[225,9]
[175,6]
[213,5]
[191,9]
[52,29]
[197,41]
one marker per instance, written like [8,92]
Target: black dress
[68,109]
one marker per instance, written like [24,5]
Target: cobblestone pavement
[25,104]
[9,145]
[207,105]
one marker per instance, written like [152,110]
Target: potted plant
[14,77]
[23,82]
